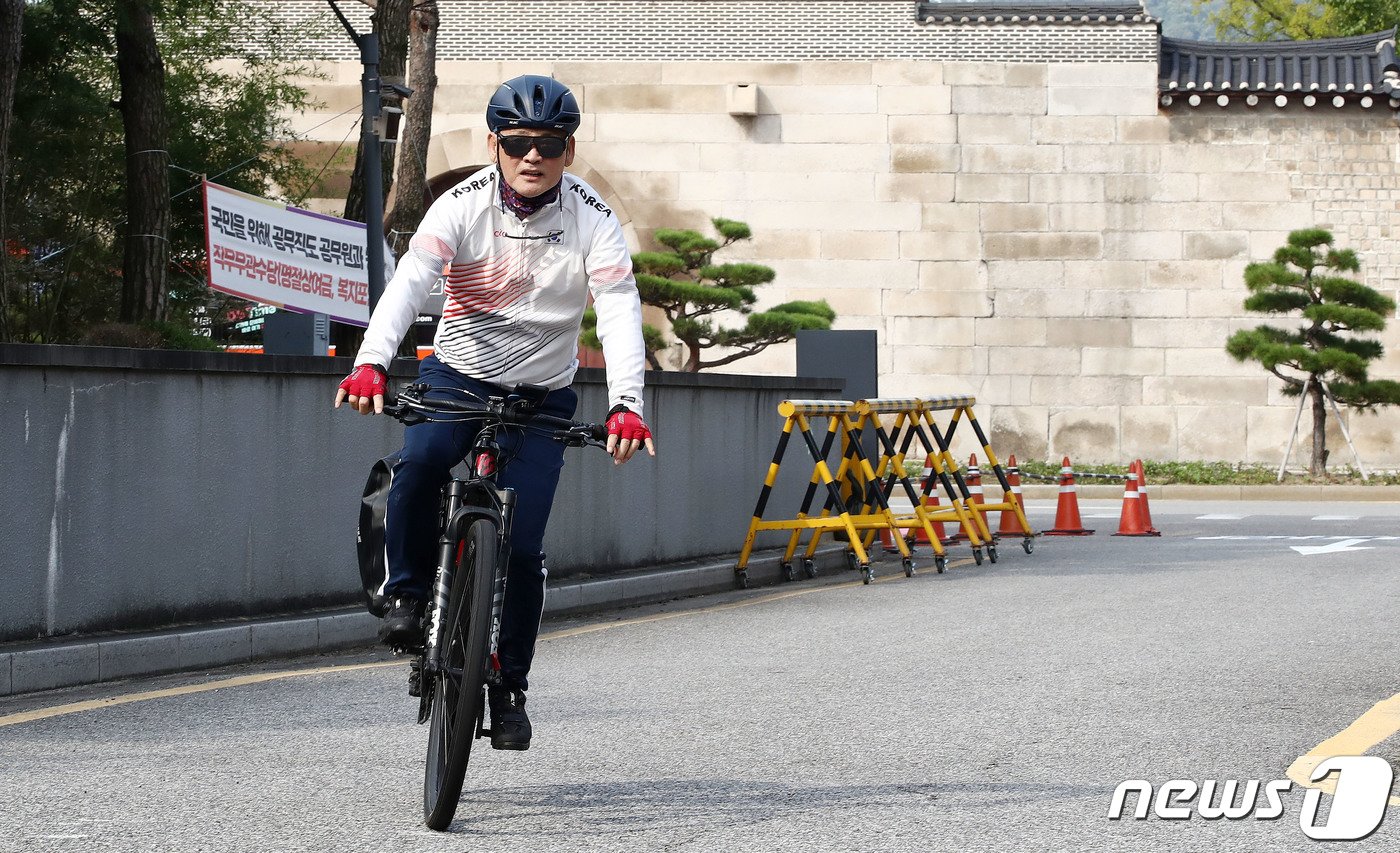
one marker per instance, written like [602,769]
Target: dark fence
[150,488]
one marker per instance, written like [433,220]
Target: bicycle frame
[462,501]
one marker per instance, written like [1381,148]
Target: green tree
[230,84]
[1265,20]
[691,290]
[1321,357]
[410,184]
[1185,19]
[11,26]
[1357,17]
[146,241]
[390,21]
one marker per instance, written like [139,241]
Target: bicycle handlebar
[410,407]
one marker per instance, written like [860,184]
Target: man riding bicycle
[521,245]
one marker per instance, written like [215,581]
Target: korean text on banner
[282,255]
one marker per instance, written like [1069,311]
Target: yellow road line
[244,680]
[658,617]
[239,681]
[1372,727]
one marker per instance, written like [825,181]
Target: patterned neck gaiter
[522,206]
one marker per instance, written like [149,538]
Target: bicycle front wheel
[460,684]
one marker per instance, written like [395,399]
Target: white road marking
[1335,544]
[1219,517]
[1336,517]
[1264,536]
[1333,548]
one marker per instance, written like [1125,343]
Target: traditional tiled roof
[1343,70]
[1030,12]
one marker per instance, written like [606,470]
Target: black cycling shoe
[403,624]
[510,727]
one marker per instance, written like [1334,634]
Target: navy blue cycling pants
[410,536]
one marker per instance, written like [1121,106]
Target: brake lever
[574,438]
[401,411]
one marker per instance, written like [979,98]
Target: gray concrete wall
[146,489]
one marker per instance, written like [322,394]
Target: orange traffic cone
[1142,496]
[1130,522]
[976,496]
[1010,524]
[931,506]
[887,540]
[974,480]
[930,503]
[1067,521]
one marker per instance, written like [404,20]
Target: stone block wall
[1034,231]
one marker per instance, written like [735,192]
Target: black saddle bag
[369,539]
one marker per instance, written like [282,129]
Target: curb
[30,667]
[1187,492]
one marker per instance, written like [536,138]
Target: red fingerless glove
[627,425]
[366,380]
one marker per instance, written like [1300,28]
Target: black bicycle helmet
[533,101]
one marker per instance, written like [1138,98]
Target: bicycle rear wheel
[459,688]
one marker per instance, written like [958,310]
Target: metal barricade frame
[878,485]
[836,515]
[961,407]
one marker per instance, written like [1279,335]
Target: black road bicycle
[456,659]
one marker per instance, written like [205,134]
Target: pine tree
[1320,357]
[690,289]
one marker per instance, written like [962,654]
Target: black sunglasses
[548,146]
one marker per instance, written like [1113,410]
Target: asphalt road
[989,708]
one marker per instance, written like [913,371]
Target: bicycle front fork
[498,593]
[448,552]
[449,556]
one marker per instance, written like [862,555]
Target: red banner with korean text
[285,256]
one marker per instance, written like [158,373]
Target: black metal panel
[849,354]
[294,333]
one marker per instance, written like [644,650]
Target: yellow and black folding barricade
[836,514]
[874,493]
[909,425]
[961,407]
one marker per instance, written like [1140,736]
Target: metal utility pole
[372,125]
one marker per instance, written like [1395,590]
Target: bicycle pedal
[415,677]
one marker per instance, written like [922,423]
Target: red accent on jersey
[608,276]
[433,246]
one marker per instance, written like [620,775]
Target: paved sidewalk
[46,665]
[1187,492]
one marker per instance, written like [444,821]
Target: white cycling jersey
[512,307]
